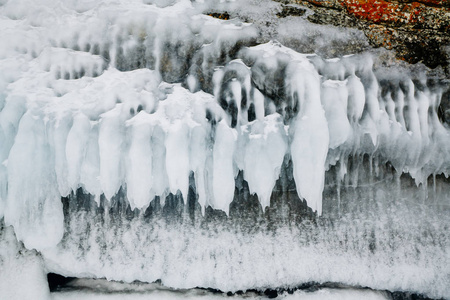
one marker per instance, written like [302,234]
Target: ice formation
[22,274]
[102,289]
[147,97]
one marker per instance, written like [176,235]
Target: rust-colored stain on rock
[379,11]
[383,11]
[418,30]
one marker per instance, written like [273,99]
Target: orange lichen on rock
[381,36]
[379,11]
[418,30]
[324,3]
[222,16]
[436,2]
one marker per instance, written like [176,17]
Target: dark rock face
[56,281]
[417,31]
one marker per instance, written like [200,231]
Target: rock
[417,31]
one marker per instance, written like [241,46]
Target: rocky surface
[418,31]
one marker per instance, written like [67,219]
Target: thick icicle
[33,204]
[139,168]
[223,172]
[310,140]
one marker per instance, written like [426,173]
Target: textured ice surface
[22,272]
[203,154]
[102,289]
[83,90]
[325,294]
[385,237]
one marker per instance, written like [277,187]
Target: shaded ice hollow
[156,100]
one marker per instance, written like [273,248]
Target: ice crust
[22,272]
[140,95]
[105,290]
[88,107]
[386,238]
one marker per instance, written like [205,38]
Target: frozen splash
[144,108]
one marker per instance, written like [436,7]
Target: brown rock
[419,31]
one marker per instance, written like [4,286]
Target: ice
[36,214]
[309,128]
[223,172]
[264,154]
[379,242]
[258,101]
[22,272]
[130,103]
[83,288]
[356,98]
[160,180]
[177,158]
[334,100]
[58,140]
[139,166]
[110,145]
[200,159]
[71,87]
[310,141]
[90,163]
[76,147]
